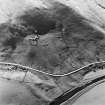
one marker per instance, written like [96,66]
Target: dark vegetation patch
[40,20]
[77,45]
[74,43]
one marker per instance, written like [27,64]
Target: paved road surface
[71,95]
[95,96]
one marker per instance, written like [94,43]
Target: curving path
[17,67]
[26,74]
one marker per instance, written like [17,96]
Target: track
[5,66]
[13,66]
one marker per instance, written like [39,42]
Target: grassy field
[67,41]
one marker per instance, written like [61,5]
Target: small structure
[33,38]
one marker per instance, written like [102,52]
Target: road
[95,96]
[69,97]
